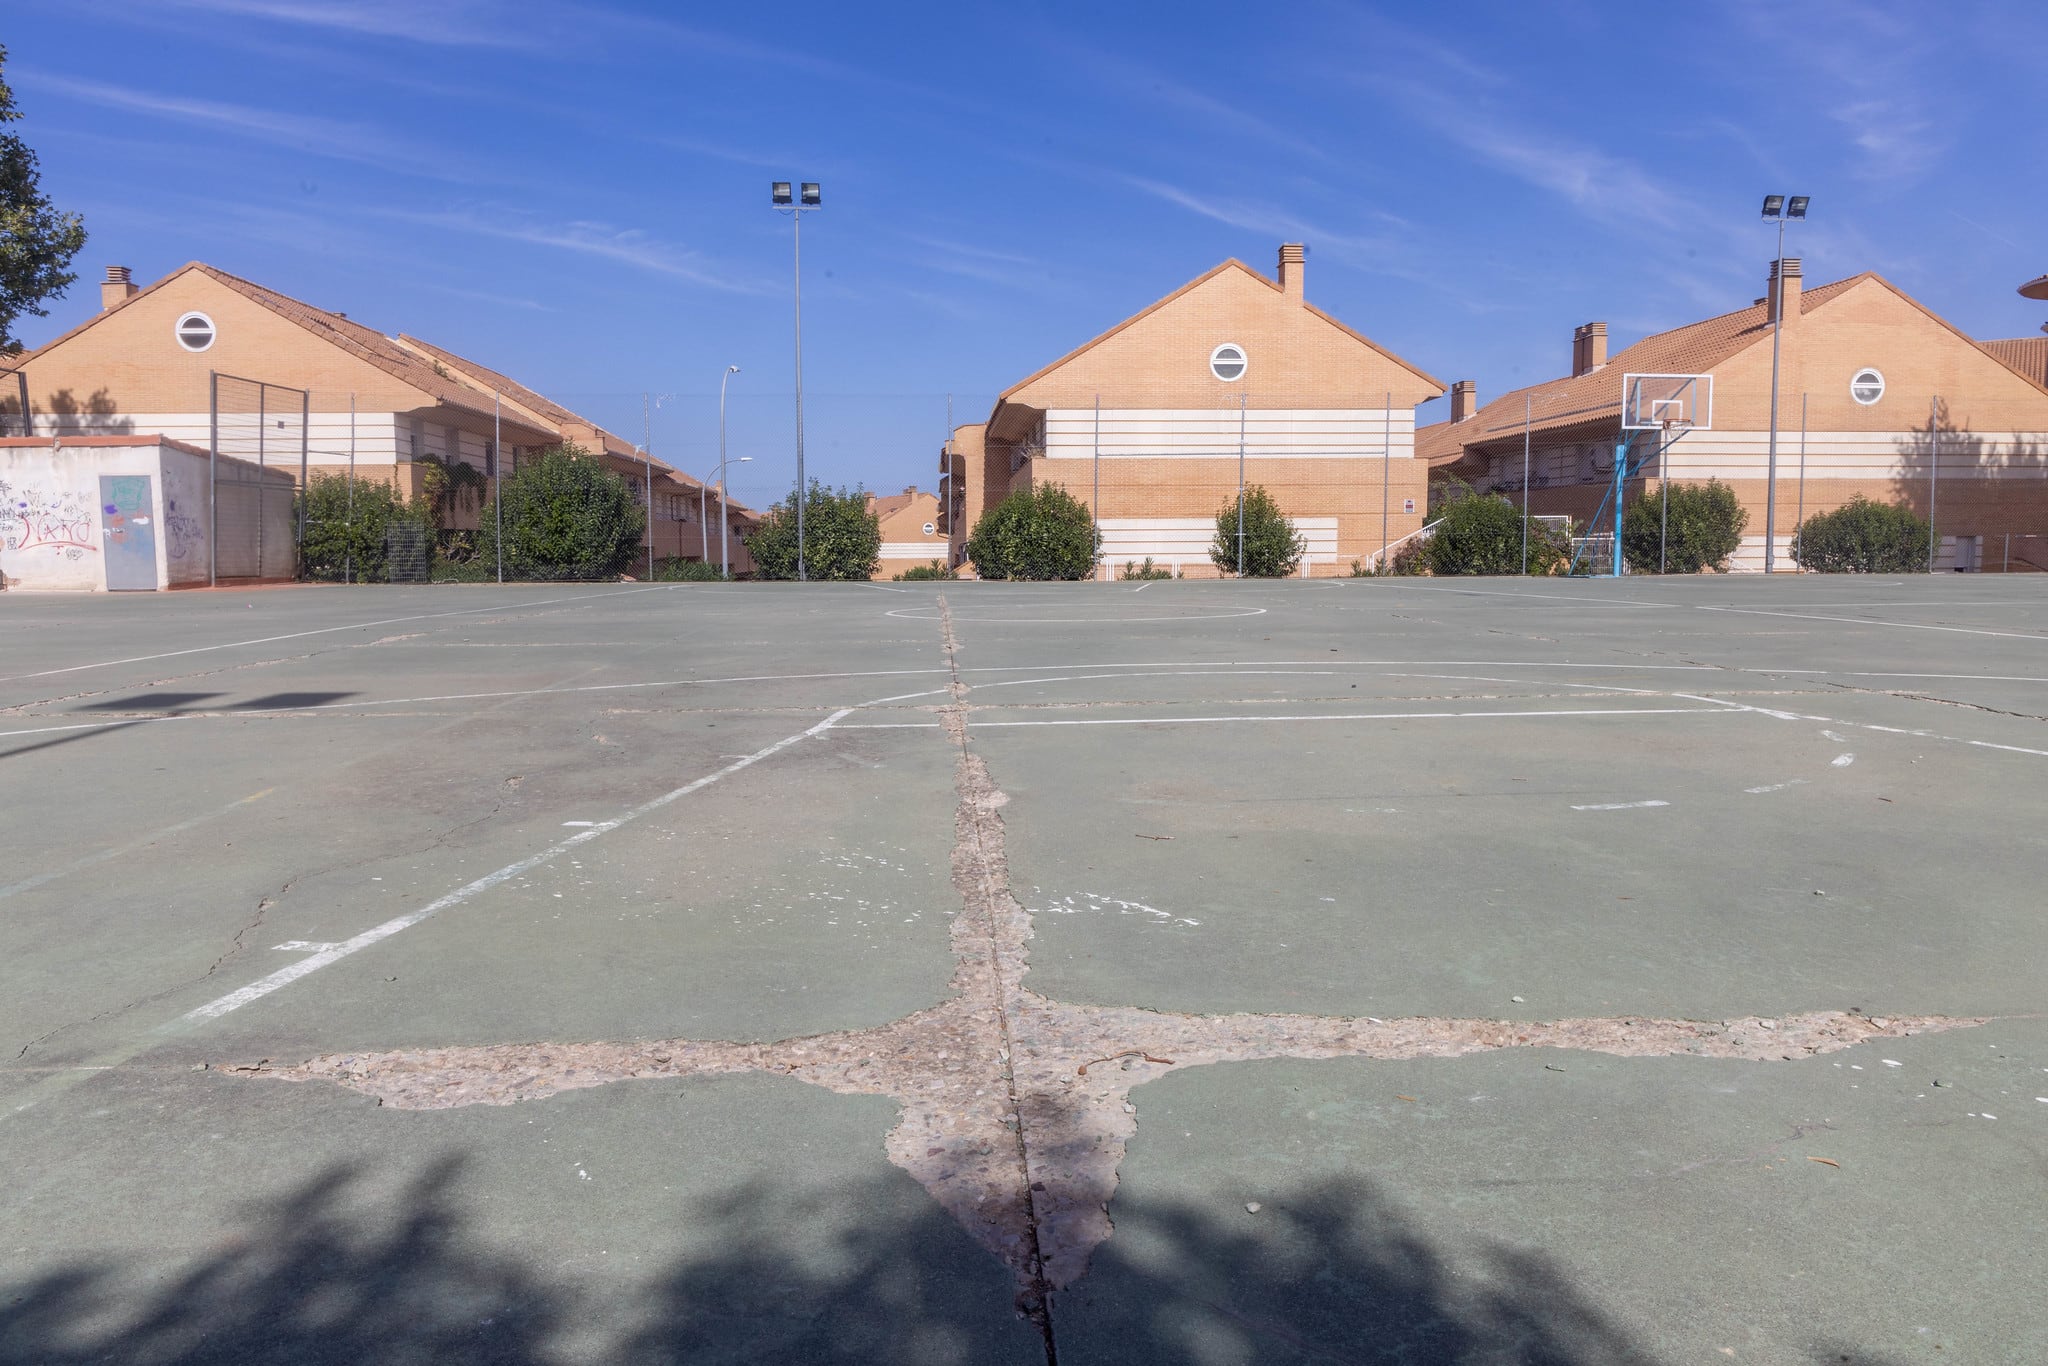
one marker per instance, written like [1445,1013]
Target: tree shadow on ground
[329,1273]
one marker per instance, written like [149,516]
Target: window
[195,331]
[1227,362]
[1867,387]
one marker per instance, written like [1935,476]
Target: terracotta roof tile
[1594,398]
[2028,355]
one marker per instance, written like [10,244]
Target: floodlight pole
[1777,342]
[724,518]
[1800,523]
[807,197]
[212,478]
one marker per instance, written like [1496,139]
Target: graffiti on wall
[35,519]
[185,535]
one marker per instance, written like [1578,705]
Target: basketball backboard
[1677,403]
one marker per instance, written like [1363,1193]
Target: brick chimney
[1464,399]
[1589,348]
[116,288]
[1785,279]
[1293,259]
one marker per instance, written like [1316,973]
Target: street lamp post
[724,559]
[1780,209]
[724,518]
[806,197]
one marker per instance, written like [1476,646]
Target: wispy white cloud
[987,264]
[324,137]
[632,247]
[486,297]
[450,23]
[1384,253]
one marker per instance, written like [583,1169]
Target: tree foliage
[36,241]
[842,537]
[1042,532]
[1481,533]
[1704,529]
[1272,547]
[347,530]
[1862,537]
[451,485]
[566,517]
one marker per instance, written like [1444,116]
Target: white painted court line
[323,631]
[1775,787]
[284,977]
[79,865]
[1619,806]
[1776,714]
[1346,716]
[1867,621]
[1842,761]
[86,725]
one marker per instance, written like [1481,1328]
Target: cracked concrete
[1016,1108]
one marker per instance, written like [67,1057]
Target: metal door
[127,532]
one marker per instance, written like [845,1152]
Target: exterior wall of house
[906,543]
[1348,478]
[1955,435]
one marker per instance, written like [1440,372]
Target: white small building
[100,514]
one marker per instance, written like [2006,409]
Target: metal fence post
[212,478]
[1933,476]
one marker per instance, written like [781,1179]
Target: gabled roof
[886,505]
[1232,264]
[1594,398]
[2028,355]
[492,382]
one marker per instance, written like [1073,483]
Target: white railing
[1421,533]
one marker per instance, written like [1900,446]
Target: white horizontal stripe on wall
[380,438]
[1188,538]
[1853,455]
[1266,433]
[914,550]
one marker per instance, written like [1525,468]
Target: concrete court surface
[1364,971]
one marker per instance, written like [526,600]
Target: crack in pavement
[1015,1109]
[1929,697]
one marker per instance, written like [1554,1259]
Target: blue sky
[576,193]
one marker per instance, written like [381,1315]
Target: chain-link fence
[1973,468]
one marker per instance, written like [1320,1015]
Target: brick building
[911,535]
[1877,395]
[1150,422]
[377,404]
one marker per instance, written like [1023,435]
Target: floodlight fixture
[1780,209]
[779,192]
[811,199]
[2036,288]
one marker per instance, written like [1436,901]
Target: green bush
[1039,533]
[842,537]
[920,573]
[1411,559]
[1862,537]
[1272,547]
[1481,533]
[1133,571]
[1704,529]
[346,531]
[676,569]
[565,517]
